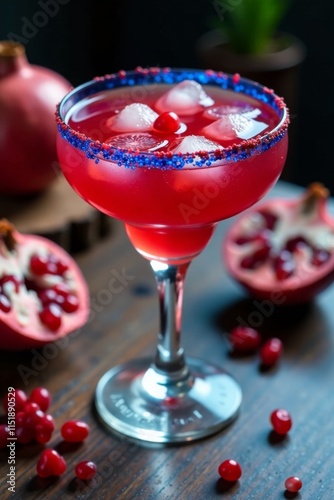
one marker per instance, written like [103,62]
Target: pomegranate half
[43,294]
[283,248]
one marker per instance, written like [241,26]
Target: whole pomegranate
[284,247]
[28,98]
[43,294]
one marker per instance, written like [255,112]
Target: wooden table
[125,328]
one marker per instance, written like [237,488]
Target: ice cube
[232,127]
[136,117]
[232,109]
[137,141]
[195,144]
[185,98]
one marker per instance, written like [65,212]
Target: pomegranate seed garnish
[5,304]
[71,304]
[271,351]
[281,421]
[319,257]
[85,470]
[283,265]
[3,436]
[167,122]
[230,470]
[74,431]
[293,484]
[20,400]
[244,339]
[50,463]
[42,397]
[50,316]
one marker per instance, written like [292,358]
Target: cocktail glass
[170,204]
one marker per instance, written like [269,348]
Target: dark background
[85,38]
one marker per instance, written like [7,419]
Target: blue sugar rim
[129,158]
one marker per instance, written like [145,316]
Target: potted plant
[247,40]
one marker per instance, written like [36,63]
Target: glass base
[132,402]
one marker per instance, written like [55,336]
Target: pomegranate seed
[25,434]
[74,431]
[43,437]
[46,424]
[244,339]
[20,400]
[61,289]
[319,257]
[20,418]
[38,264]
[256,259]
[293,484]
[271,351]
[71,304]
[3,436]
[85,470]
[167,122]
[5,304]
[13,281]
[269,218]
[33,418]
[51,317]
[50,463]
[42,397]
[61,267]
[230,470]
[50,296]
[281,421]
[283,265]
[296,243]
[30,407]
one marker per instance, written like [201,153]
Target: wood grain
[59,214]
[125,328]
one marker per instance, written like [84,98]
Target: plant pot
[277,69]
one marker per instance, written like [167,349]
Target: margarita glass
[170,180]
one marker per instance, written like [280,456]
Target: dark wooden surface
[125,328]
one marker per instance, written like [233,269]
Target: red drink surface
[169,214]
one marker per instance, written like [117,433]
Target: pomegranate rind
[261,283]
[33,334]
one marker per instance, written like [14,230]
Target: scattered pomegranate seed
[51,317]
[74,431]
[33,418]
[3,436]
[293,484]
[46,425]
[43,437]
[230,470]
[271,351]
[20,400]
[50,463]
[42,397]
[281,421]
[25,435]
[244,339]
[167,122]
[85,470]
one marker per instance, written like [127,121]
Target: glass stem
[169,360]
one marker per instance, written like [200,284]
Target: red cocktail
[170,153]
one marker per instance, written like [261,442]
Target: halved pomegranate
[43,294]
[283,249]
